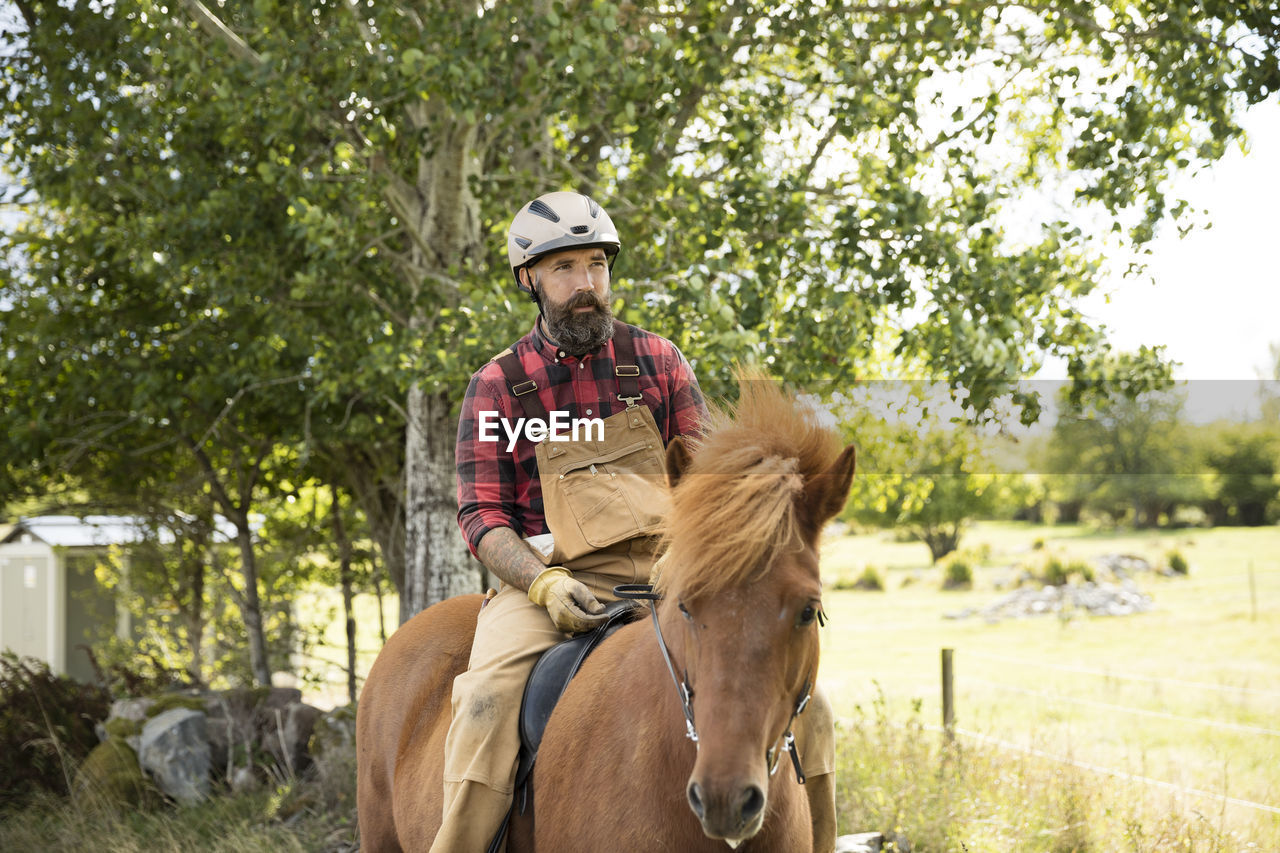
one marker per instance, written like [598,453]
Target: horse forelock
[738,508]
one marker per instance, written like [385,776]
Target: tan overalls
[604,501]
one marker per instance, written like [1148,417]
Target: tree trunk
[442,210]
[1069,512]
[437,563]
[941,541]
[195,619]
[251,604]
[344,562]
[382,618]
[376,485]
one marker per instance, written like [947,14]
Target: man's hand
[572,607]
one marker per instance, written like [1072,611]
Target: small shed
[50,601]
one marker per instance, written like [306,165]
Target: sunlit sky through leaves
[1213,297]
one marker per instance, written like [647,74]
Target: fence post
[1253,594]
[948,694]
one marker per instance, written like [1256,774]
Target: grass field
[1187,696]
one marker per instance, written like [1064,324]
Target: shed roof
[93,531]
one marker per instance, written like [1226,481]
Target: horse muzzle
[733,813]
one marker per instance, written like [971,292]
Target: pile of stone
[180,744]
[1121,566]
[1095,599]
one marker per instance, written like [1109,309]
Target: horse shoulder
[606,754]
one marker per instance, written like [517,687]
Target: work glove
[572,607]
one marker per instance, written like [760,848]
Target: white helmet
[555,222]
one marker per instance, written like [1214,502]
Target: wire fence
[1105,771]
[1123,709]
[1059,700]
[1121,676]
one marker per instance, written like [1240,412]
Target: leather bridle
[787,741]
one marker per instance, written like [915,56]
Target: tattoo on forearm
[506,555]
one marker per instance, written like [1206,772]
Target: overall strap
[522,387]
[624,364]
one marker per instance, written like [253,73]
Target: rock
[231,729]
[334,731]
[1097,599]
[286,733]
[175,752]
[249,721]
[872,842]
[241,718]
[110,776]
[242,779]
[1123,566]
[125,720]
[860,842]
[131,709]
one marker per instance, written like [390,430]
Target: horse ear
[825,494]
[677,460]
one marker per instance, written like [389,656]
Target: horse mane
[734,509]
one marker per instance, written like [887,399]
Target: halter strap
[644,592]
[788,739]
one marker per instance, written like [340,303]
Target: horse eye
[684,610]
[808,615]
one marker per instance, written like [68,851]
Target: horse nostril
[695,800]
[752,803]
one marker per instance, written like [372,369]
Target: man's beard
[579,333]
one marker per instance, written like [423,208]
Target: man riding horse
[561,520]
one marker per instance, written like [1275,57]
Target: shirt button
[581,366]
[562,354]
[588,411]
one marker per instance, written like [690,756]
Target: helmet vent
[593,208]
[523,242]
[539,208]
[580,229]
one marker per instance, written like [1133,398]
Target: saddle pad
[550,677]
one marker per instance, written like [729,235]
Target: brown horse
[617,769]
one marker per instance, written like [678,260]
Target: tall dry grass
[944,796]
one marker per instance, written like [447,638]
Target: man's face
[574,288]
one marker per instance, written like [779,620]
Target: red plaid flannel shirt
[500,488]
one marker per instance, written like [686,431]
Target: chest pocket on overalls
[599,493]
[617,496]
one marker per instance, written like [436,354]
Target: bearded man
[558,519]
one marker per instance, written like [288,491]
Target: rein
[645,592]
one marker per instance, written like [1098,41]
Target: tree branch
[218,30]
[226,410]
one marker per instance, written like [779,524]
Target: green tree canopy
[837,190]
[1119,446]
[920,474]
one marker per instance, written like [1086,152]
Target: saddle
[547,682]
